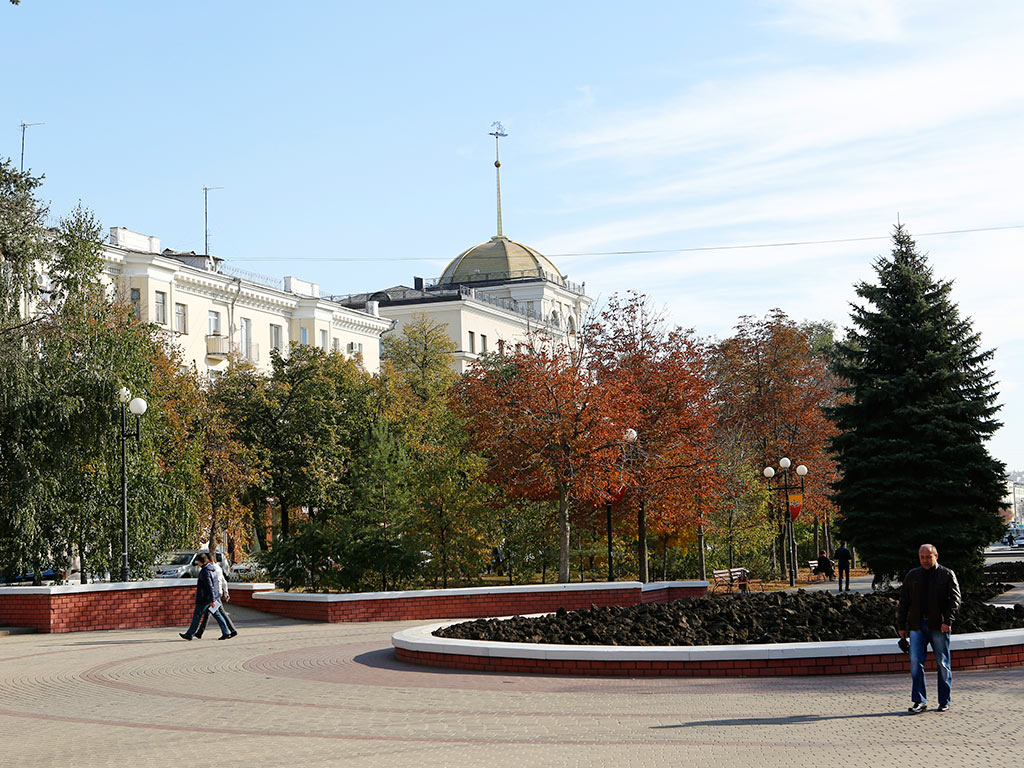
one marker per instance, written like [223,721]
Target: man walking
[843,559]
[929,600]
[225,597]
[207,591]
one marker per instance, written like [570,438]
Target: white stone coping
[510,590]
[655,585]
[104,586]
[422,639]
[250,586]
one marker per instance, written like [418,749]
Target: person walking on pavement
[843,559]
[225,597]
[207,592]
[929,600]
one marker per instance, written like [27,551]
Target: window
[160,308]
[483,344]
[214,323]
[275,336]
[303,336]
[323,340]
[246,340]
[472,342]
[336,344]
[136,296]
[180,318]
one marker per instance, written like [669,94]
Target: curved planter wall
[983,650]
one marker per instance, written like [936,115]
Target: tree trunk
[816,539]
[284,519]
[563,537]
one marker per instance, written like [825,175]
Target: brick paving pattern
[297,694]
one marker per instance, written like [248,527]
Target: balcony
[217,345]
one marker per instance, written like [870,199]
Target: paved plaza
[287,693]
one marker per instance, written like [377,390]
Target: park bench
[729,577]
[812,565]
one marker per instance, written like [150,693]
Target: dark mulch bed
[762,617]
[1008,571]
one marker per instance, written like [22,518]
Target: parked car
[184,565]
[247,570]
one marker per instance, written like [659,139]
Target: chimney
[373,308]
[417,283]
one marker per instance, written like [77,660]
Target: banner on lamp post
[796,503]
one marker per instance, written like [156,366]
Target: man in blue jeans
[207,592]
[929,600]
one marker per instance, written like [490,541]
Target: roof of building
[499,260]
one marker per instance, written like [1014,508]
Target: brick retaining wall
[473,602]
[131,605]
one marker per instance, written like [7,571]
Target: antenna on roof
[25,125]
[497,133]
[206,218]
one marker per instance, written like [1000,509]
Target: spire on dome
[498,132]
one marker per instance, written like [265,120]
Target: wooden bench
[729,577]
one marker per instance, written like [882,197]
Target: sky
[350,143]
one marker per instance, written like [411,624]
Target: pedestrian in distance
[843,559]
[207,592]
[929,600]
[225,597]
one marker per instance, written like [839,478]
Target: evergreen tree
[919,407]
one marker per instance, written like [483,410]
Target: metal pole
[124,495]
[641,543]
[700,549]
[789,528]
[611,570]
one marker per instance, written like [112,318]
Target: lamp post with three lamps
[138,407]
[793,503]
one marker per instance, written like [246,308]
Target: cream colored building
[489,297]
[209,309]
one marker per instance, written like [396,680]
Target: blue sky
[351,142]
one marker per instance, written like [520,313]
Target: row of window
[245,326]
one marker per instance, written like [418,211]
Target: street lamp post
[632,440]
[785,487]
[138,407]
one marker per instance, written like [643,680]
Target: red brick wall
[99,609]
[449,606]
[25,610]
[974,658]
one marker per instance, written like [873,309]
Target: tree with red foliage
[669,453]
[548,426]
[772,380]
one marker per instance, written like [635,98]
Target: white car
[183,565]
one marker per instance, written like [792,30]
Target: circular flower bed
[763,617]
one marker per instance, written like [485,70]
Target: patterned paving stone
[294,693]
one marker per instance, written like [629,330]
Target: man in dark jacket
[929,600]
[207,594]
[843,558]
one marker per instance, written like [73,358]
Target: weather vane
[498,133]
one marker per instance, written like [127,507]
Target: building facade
[210,310]
[490,297]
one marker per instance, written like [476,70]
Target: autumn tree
[448,500]
[548,427]
[669,452]
[922,404]
[771,383]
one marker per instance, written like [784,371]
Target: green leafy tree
[911,447]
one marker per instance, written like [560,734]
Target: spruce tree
[920,407]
